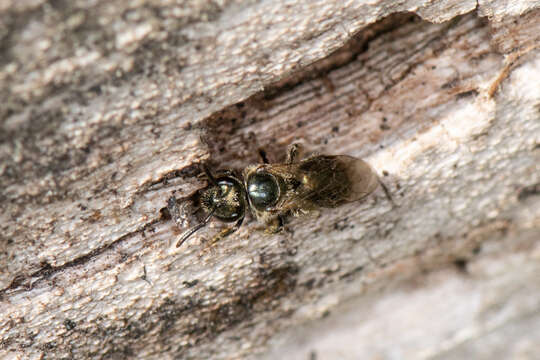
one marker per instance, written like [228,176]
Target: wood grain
[108,108]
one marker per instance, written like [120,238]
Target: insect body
[224,198]
[298,188]
[272,191]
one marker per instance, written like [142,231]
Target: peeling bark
[109,110]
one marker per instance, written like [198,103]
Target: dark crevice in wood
[226,127]
[358,44]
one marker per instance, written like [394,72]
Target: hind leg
[294,152]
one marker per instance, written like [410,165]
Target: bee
[224,198]
[273,191]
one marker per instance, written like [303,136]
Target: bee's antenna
[195,228]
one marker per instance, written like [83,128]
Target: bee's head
[225,198]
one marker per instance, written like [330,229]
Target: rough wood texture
[108,107]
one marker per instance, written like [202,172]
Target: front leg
[253,144]
[227,231]
[262,156]
[210,246]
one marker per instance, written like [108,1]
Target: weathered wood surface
[108,107]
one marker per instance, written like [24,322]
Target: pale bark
[109,107]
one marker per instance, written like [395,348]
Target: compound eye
[263,190]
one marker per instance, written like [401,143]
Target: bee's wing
[326,181]
[364,179]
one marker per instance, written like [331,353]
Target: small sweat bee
[223,198]
[272,191]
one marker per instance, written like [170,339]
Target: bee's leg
[196,228]
[293,153]
[286,239]
[226,232]
[262,155]
[253,144]
[275,225]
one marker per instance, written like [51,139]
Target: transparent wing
[327,181]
